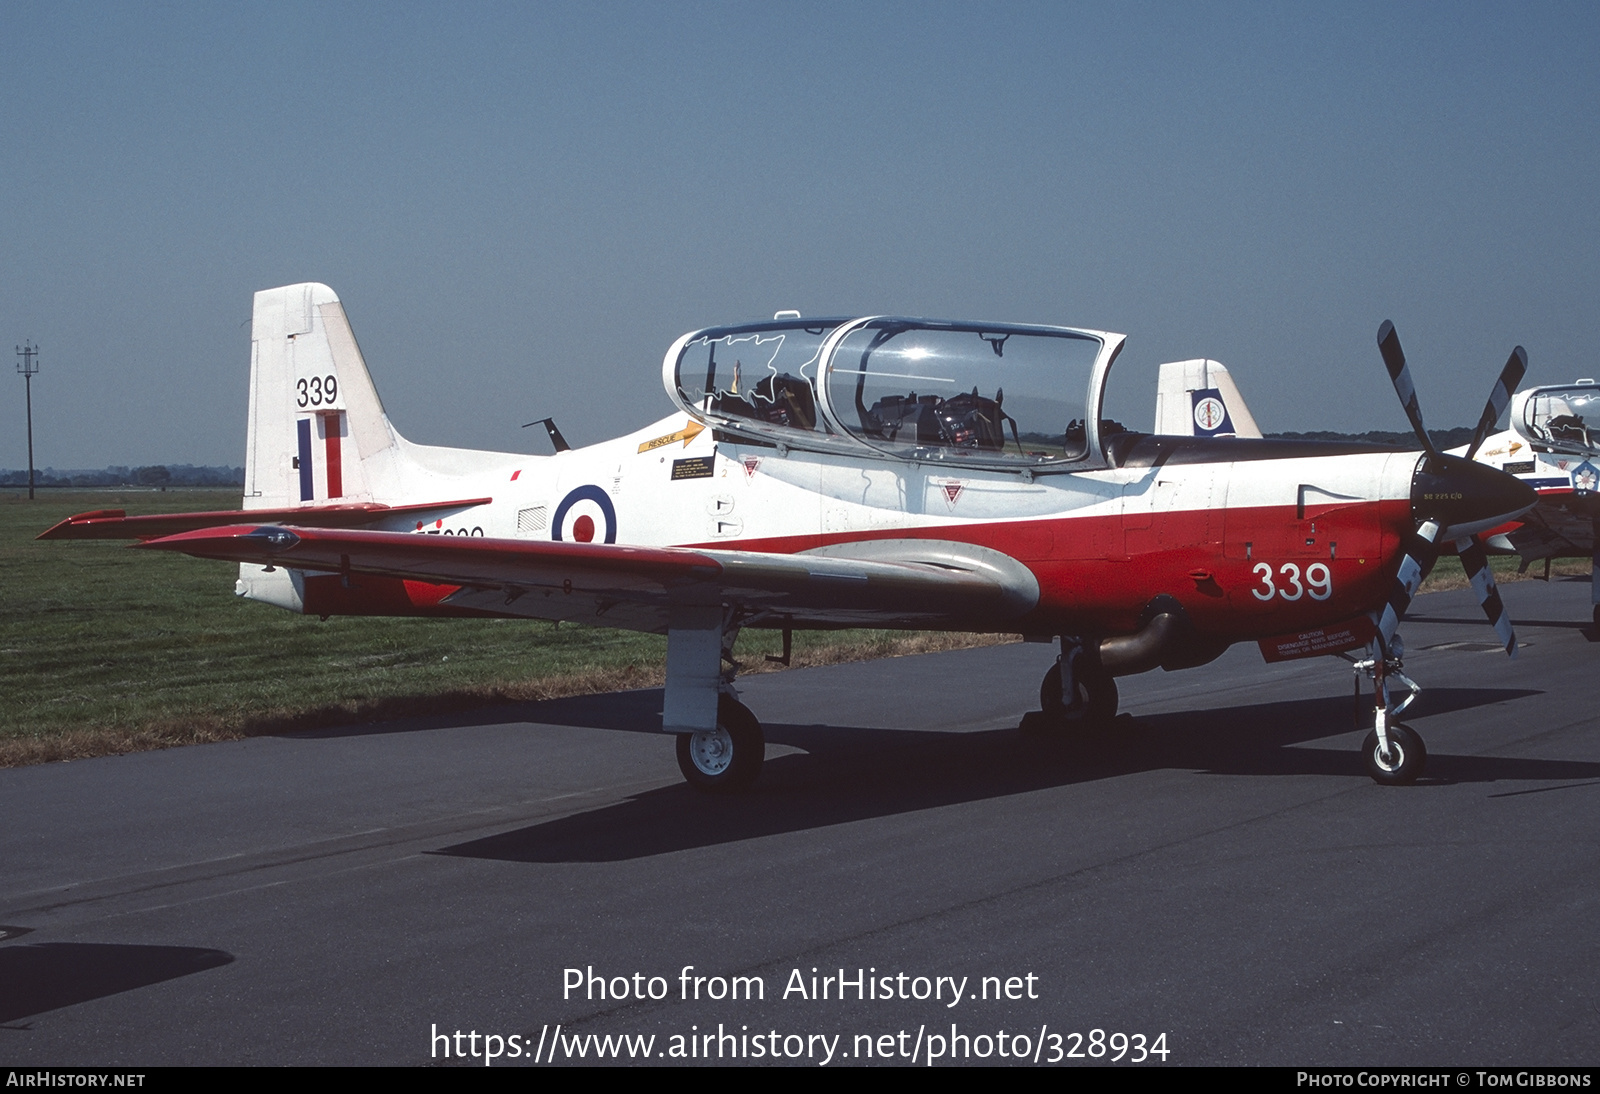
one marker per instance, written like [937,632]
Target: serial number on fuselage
[1318,582]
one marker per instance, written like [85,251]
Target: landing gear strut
[1393,752]
[1090,695]
[720,744]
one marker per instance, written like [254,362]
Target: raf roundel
[585,515]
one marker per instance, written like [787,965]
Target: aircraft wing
[883,583]
[116,524]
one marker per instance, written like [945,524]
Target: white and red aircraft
[1553,447]
[878,471]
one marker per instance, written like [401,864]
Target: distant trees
[153,475]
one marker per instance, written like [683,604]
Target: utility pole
[27,368]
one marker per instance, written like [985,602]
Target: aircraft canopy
[914,389]
[1565,418]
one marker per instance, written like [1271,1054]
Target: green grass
[103,649]
[1447,573]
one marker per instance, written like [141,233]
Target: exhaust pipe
[1129,654]
[1166,639]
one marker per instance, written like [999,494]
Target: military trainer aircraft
[840,472]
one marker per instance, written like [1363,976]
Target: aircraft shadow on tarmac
[46,976]
[1522,624]
[849,774]
[627,711]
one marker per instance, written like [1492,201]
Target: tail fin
[1198,399]
[317,433]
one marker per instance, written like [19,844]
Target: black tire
[1398,770]
[1096,687]
[728,760]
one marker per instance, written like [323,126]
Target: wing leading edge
[116,524]
[905,583]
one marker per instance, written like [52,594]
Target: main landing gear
[1393,752]
[725,759]
[1088,698]
[720,744]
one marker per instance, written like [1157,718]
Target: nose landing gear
[1401,762]
[1392,752]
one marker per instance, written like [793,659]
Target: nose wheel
[726,759]
[1401,762]
[1392,752]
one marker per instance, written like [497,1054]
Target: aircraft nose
[1466,497]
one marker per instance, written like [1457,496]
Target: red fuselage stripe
[1240,573]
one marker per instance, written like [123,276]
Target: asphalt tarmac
[1215,881]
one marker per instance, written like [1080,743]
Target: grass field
[1448,574]
[103,649]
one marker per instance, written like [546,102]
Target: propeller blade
[1394,359]
[1421,554]
[1510,377]
[1476,563]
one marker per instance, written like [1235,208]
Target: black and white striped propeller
[1454,498]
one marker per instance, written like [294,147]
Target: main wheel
[1097,690]
[727,758]
[1407,756]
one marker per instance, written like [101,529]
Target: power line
[28,366]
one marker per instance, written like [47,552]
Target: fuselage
[810,435]
[1254,538]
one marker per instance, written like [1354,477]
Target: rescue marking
[686,434]
[750,465]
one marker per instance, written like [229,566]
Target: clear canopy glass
[761,376]
[915,389]
[937,391]
[1564,417]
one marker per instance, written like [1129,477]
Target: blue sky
[522,205]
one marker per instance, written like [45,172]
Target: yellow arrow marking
[686,434]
